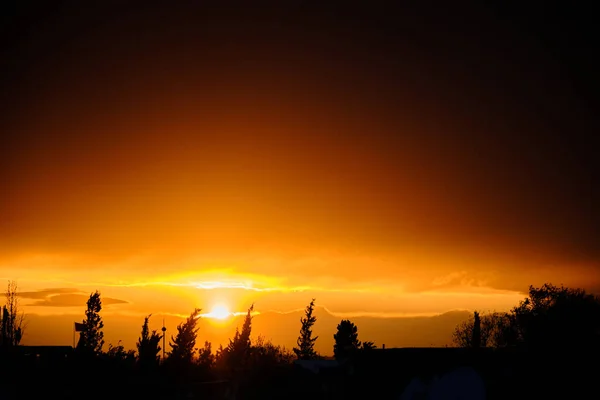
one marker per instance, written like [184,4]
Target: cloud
[63,297]
[448,279]
[45,293]
[483,282]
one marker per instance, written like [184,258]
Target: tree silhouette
[183,345]
[241,340]
[206,358]
[91,338]
[220,356]
[345,339]
[476,334]
[506,331]
[148,346]
[550,317]
[491,331]
[306,343]
[368,346]
[558,317]
[237,351]
[264,354]
[13,319]
[119,356]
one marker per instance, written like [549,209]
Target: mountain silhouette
[280,327]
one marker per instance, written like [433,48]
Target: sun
[219,311]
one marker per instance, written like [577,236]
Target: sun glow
[219,311]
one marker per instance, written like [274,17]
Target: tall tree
[306,343]
[345,339]
[13,319]
[237,351]
[91,338]
[476,335]
[183,345]
[148,346]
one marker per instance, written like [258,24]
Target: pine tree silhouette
[476,336]
[92,338]
[306,343]
[148,346]
[184,343]
[238,349]
[346,339]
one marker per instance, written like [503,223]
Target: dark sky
[354,124]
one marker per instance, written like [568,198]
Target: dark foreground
[380,374]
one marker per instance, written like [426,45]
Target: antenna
[163,331]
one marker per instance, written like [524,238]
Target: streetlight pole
[163,331]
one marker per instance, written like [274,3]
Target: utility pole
[163,331]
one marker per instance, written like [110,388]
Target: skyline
[390,162]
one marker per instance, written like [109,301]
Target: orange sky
[175,164]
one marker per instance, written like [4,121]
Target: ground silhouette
[545,338]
